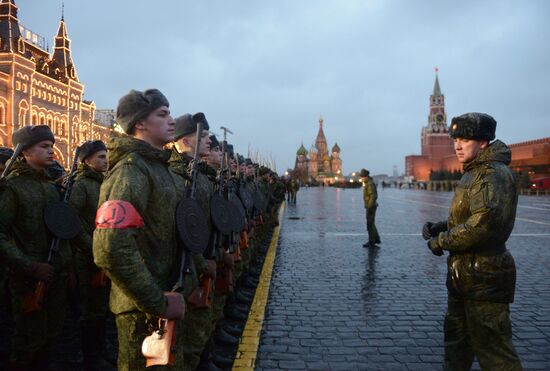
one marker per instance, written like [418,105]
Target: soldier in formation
[126,250]
[481,273]
[37,276]
[94,286]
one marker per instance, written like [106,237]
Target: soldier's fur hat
[5,154]
[30,135]
[264,170]
[137,105]
[473,125]
[248,162]
[214,142]
[187,124]
[184,126]
[200,117]
[89,148]
[230,151]
[364,173]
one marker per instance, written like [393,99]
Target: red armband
[118,214]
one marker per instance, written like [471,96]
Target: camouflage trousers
[132,330]
[94,300]
[371,227]
[34,332]
[246,255]
[195,333]
[218,305]
[293,197]
[482,330]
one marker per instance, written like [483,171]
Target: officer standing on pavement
[370,197]
[481,272]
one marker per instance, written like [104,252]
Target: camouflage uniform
[24,239]
[370,195]
[94,300]
[293,188]
[141,262]
[481,272]
[196,326]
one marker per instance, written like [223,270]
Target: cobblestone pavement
[334,305]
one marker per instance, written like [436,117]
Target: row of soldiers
[140,247]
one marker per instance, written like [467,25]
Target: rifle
[11,161]
[237,252]
[35,299]
[259,200]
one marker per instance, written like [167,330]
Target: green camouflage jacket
[141,262]
[24,237]
[84,199]
[370,195]
[294,186]
[481,219]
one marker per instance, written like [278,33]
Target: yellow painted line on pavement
[245,358]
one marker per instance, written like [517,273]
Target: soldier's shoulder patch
[118,214]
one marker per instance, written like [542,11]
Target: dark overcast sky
[269,69]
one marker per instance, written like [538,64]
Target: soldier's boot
[255,270]
[248,282]
[212,367]
[233,330]
[93,343]
[243,298]
[221,361]
[234,313]
[206,355]
[222,337]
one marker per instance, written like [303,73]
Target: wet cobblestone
[335,305]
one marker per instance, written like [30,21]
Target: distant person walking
[294,187]
[370,198]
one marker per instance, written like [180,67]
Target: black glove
[433,245]
[433,229]
[426,231]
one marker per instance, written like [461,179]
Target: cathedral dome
[302,151]
[336,148]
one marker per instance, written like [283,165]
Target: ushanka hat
[364,173]
[473,125]
[137,105]
[200,117]
[89,148]
[30,135]
[187,124]
[214,142]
